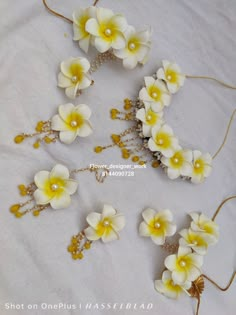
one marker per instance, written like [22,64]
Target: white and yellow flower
[171,74]
[197,241]
[108,30]
[167,287]
[155,93]
[185,267]
[202,224]
[72,121]
[157,225]
[74,76]
[202,166]
[54,187]
[180,164]
[105,225]
[137,47]
[163,140]
[149,119]
[80,18]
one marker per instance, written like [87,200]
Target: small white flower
[167,287]
[54,187]
[163,140]
[155,94]
[198,241]
[149,119]
[171,74]
[136,49]
[203,224]
[185,266]
[74,76]
[202,166]
[180,164]
[72,121]
[80,18]
[108,30]
[105,226]
[157,225]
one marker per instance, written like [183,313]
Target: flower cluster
[155,95]
[105,30]
[184,267]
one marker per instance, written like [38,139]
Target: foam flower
[72,121]
[136,49]
[197,241]
[155,93]
[202,166]
[149,119]
[203,224]
[108,29]
[74,76]
[167,287]
[163,140]
[105,225]
[80,18]
[180,164]
[157,225]
[171,74]
[185,266]
[54,187]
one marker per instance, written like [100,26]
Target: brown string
[211,78]
[221,205]
[95,2]
[56,13]
[226,134]
[220,288]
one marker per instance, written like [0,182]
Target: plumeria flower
[180,164]
[149,119]
[157,225]
[171,74]
[105,226]
[74,76]
[72,121]
[202,166]
[198,241]
[54,187]
[185,266]
[108,30]
[163,140]
[203,224]
[167,287]
[80,18]
[155,93]
[136,49]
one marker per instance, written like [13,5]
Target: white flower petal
[84,43]
[93,219]
[68,137]
[104,15]
[58,124]
[92,27]
[91,234]
[72,91]
[144,230]
[130,62]
[40,178]
[71,186]
[41,198]
[171,229]
[119,22]
[170,262]
[148,215]
[85,130]
[102,45]
[84,83]
[119,41]
[180,277]
[158,240]
[63,81]
[60,171]
[173,173]
[152,145]
[108,211]
[66,110]
[61,202]
[109,237]
[84,110]
[118,222]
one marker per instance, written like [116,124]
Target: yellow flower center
[108,31]
[151,117]
[171,76]
[75,121]
[54,187]
[157,227]
[155,93]
[82,22]
[163,140]
[177,160]
[133,44]
[76,71]
[198,166]
[104,227]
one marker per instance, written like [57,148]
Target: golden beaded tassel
[78,244]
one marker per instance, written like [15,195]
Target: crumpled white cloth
[35,266]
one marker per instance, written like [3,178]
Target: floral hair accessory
[51,189]
[183,267]
[151,139]
[110,34]
[105,226]
[70,122]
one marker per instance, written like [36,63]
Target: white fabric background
[35,266]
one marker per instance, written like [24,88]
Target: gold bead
[47,140]
[80,255]
[39,126]
[22,187]
[14,208]
[141,163]
[18,214]
[127,106]
[87,245]
[135,158]
[74,241]
[70,248]
[121,144]
[98,149]
[18,139]
[75,256]
[114,112]
[36,213]
[155,164]
[23,192]
[115,138]
[36,145]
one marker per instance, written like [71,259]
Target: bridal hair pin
[51,189]
[111,36]
[151,139]
[105,226]
[70,122]
[182,274]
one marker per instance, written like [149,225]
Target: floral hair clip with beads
[105,226]
[51,189]
[151,138]
[70,122]
[110,34]
[183,267]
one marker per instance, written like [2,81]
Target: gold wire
[56,13]
[221,205]
[211,78]
[220,288]
[226,134]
